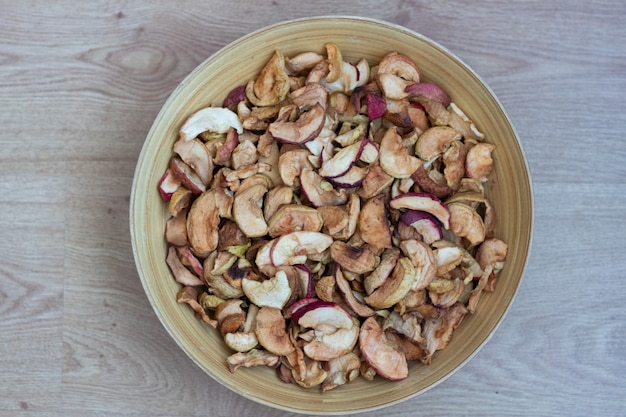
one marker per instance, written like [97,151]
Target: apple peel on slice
[336,332]
[424,202]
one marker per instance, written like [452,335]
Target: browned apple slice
[358,260]
[197,156]
[379,354]
[294,217]
[355,305]
[186,175]
[478,162]
[304,129]
[384,269]
[272,85]
[181,274]
[375,181]
[374,223]
[203,220]
[433,142]
[271,331]
[466,222]
[291,163]
[395,287]
[394,156]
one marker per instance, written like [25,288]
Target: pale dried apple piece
[209,119]
[272,292]
[340,371]
[479,163]
[302,63]
[254,357]
[247,211]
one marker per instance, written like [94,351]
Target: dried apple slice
[336,331]
[168,184]
[292,218]
[424,223]
[433,142]
[379,354]
[384,269]
[248,213]
[395,287]
[374,223]
[394,156]
[478,162]
[320,192]
[203,220]
[355,305]
[272,292]
[186,175]
[430,91]
[342,161]
[466,222]
[358,260]
[271,331]
[351,179]
[424,202]
[293,248]
[210,119]
[181,274]
[197,156]
[304,129]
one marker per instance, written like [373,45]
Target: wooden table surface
[80,84]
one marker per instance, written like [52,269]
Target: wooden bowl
[208,84]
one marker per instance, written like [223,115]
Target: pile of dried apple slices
[330,219]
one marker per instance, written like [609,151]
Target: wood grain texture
[81,83]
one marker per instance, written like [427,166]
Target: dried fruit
[330,220]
